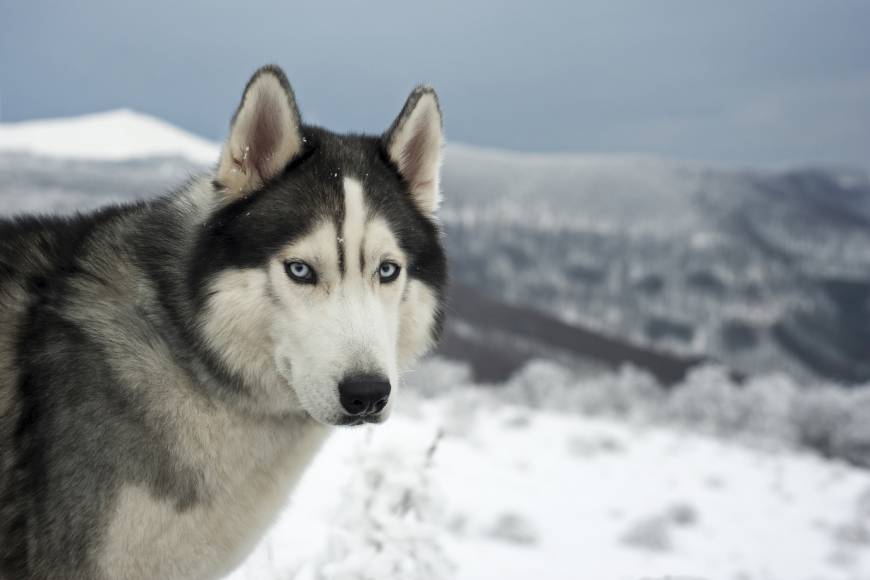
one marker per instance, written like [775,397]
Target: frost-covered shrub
[548,385]
[542,384]
[460,418]
[862,505]
[768,405]
[851,440]
[588,447]
[437,376]
[818,415]
[390,520]
[709,399]
[832,420]
[772,408]
[626,392]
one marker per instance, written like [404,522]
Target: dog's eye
[300,272]
[388,271]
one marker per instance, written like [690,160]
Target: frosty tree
[389,521]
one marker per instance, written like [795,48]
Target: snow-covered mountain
[113,135]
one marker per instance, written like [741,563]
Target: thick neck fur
[180,298]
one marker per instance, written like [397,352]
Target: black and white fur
[164,380]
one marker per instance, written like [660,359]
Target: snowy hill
[114,135]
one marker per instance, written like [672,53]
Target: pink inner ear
[265,136]
[414,156]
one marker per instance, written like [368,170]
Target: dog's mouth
[354,421]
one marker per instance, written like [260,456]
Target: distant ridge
[496,360]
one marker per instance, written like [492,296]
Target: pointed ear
[265,134]
[414,143]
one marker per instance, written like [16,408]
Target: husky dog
[169,368]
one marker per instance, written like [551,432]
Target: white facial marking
[354,224]
[236,324]
[419,310]
[346,324]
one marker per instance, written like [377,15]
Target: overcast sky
[755,82]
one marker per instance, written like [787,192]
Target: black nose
[364,395]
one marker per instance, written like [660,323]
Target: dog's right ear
[265,134]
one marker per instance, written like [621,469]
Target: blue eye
[300,272]
[388,272]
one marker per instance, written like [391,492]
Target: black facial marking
[341,248]
[338,220]
[362,256]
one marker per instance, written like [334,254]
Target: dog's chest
[246,476]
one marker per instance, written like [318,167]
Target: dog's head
[321,265]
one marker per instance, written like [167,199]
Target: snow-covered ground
[512,492]
[553,476]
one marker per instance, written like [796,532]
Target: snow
[529,494]
[113,135]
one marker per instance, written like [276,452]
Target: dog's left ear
[414,143]
[265,134]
